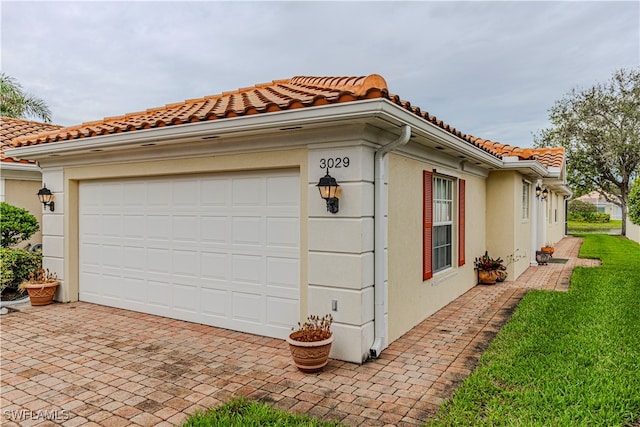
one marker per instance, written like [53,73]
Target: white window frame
[443,216]
[526,200]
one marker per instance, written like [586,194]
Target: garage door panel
[283,191]
[156,192]
[283,273]
[219,249]
[183,193]
[185,263]
[134,226]
[159,227]
[247,192]
[185,297]
[134,258]
[246,269]
[111,194]
[214,192]
[215,302]
[159,260]
[186,228]
[280,310]
[135,289]
[92,254]
[247,230]
[111,256]
[283,232]
[247,307]
[215,265]
[134,195]
[214,229]
[160,294]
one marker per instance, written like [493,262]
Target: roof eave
[379,108]
[20,167]
[529,167]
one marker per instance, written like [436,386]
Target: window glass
[442,223]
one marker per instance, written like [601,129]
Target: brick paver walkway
[84,364]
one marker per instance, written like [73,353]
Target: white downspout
[379,282]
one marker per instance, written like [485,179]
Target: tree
[600,129]
[16,103]
[634,202]
[17,224]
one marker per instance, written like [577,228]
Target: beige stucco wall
[554,221]
[508,233]
[410,299]
[23,194]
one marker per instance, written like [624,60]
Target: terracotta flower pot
[309,356]
[41,293]
[487,277]
[547,249]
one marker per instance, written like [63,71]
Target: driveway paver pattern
[85,364]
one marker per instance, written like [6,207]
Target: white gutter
[21,167]
[379,284]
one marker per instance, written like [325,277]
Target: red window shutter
[461,221]
[427,221]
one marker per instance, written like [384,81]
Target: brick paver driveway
[84,364]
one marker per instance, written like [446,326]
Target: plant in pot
[548,248]
[488,268]
[41,286]
[310,344]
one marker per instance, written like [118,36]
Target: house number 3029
[334,162]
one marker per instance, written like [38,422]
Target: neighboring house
[208,210]
[20,180]
[604,206]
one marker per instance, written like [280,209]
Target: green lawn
[243,413]
[594,227]
[564,359]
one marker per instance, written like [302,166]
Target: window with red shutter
[427,222]
[461,221]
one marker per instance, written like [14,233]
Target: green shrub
[579,207]
[15,266]
[592,217]
[16,225]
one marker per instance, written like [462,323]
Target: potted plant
[41,286]
[310,344]
[502,273]
[488,268]
[548,248]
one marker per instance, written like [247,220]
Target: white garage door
[222,250]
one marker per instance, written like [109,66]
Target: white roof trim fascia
[532,165]
[448,140]
[363,110]
[11,166]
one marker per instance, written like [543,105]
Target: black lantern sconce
[538,191]
[545,193]
[46,197]
[329,191]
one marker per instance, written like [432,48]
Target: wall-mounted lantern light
[329,191]
[538,191]
[545,193]
[46,197]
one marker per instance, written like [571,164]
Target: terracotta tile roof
[288,94]
[11,129]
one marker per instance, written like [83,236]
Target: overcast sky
[490,69]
